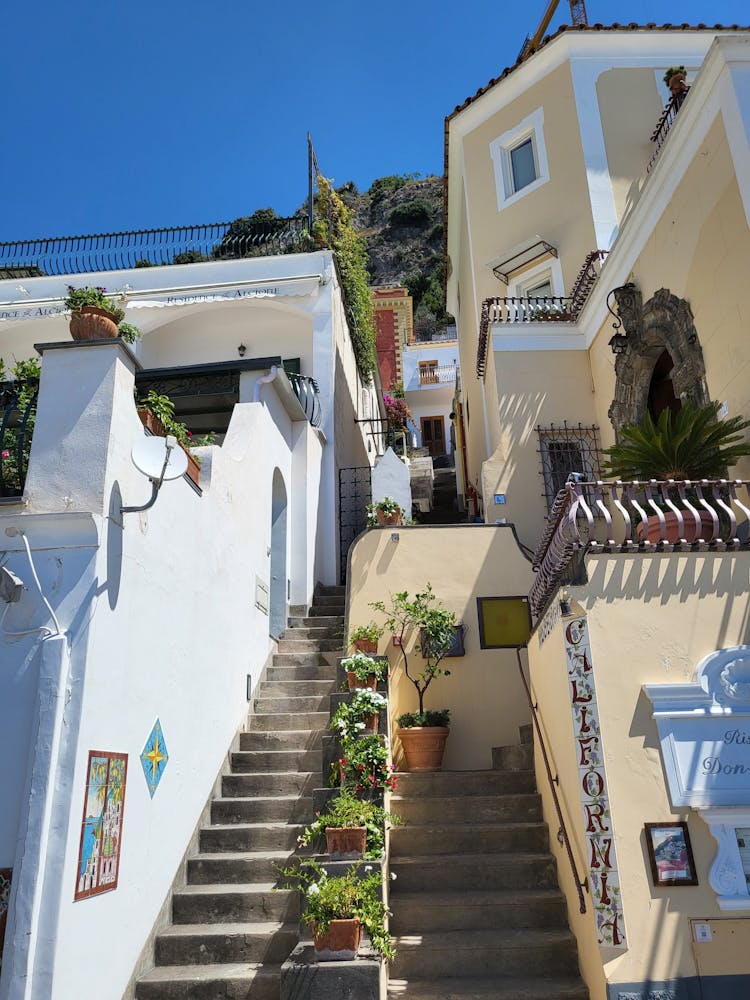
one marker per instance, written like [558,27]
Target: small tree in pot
[423,733]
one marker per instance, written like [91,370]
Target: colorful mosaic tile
[154,758]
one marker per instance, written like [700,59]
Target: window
[519,157]
[428,374]
[563,450]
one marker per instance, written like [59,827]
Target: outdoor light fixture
[618,344]
[241,350]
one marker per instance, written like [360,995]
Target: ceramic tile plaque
[592,783]
[154,758]
[101,827]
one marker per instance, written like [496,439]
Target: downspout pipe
[264,380]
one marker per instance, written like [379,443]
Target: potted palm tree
[423,625]
[692,444]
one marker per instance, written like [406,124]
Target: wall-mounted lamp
[618,344]
[241,350]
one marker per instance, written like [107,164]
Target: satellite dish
[149,455]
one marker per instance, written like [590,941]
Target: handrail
[534,706]
[666,120]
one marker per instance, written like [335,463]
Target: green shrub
[411,213]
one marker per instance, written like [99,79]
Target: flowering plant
[364,666]
[343,897]
[396,410]
[93,295]
[348,720]
[370,633]
[348,811]
[387,507]
[364,765]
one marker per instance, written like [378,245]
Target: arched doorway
[277,614]
[661,395]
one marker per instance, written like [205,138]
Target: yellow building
[598,240]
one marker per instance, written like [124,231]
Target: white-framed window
[519,157]
[540,281]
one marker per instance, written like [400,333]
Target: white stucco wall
[390,478]
[160,620]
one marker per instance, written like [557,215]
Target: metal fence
[355,493]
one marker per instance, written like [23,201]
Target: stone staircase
[477,912]
[230,930]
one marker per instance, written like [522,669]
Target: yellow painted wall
[559,211]
[700,250]
[533,388]
[462,562]
[651,620]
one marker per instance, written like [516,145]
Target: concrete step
[273,706]
[468,838]
[323,599]
[330,590]
[273,722]
[236,868]
[308,659]
[314,632]
[290,739]
[485,953]
[191,944]
[297,688]
[335,608]
[277,809]
[442,784]
[527,733]
[235,981]
[301,672]
[417,913]
[256,761]
[283,783]
[318,621]
[235,837]
[309,645]
[513,758]
[493,988]
[220,904]
[473,809]
[435,873]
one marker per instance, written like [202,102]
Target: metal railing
[656,516]
[307,391]
[151,247]
[665,123]
[439,375]
[553,783]
[18,401]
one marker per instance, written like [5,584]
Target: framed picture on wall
[670,854]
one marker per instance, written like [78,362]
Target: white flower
[368,868]
[359,725]
[393,876]
[313,890]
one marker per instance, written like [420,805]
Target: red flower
[343,761]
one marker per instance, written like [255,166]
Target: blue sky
[123,114]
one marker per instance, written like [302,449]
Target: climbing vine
[334,227]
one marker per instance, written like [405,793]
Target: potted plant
[93,315]
[364,765]
[353,828]
[364,638]
[385,512]
[675,78]
[340,907]
[360,716]
[423,734]
[157,415]
[692,444]
[364,671]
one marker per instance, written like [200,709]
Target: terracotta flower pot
[388,520]
[371,722]
[677,83]
[424,746]
[340,943]
[371,682]
[151,423]
[92,323]
[346,843]
[365,646]
[653,532]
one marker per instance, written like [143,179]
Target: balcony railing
[308,393]
[546,309]
[709,511]
[440,375]
[665,123]
[151,247]
[18,402]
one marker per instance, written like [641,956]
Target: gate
[355,492]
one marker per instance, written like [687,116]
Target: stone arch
[664,323]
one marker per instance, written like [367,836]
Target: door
[433,435]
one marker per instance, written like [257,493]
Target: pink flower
[5,454]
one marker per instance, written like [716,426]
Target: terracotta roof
[546,41]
